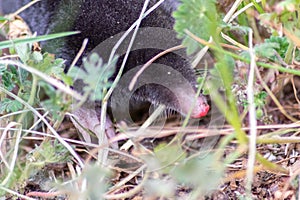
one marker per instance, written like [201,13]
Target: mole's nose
[201,108]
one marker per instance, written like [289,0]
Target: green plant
[34,81]
[95,76]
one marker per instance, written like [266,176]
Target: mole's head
[169,81]
[180,97]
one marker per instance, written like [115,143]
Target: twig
[114,84]
[252,118]
[131,192]
[128,178]
[80,52]
[15,193]
[136,76]
[14,156]
[44,194]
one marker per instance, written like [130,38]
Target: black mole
[98,20]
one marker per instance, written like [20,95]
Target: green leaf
[269,48]
[23,51]
[95,76]
[47,152]
[37,56]
[47,64]
[260,99]
[55,103]
[200,17]
[7,80]
[8,106]
[282,43]
[201,173]
[168,155]
[224,67]
[266,50]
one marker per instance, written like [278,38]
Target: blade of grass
[12,43]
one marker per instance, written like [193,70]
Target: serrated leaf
[8,106]
[200,18]
[95,76]
[7,80]
[2,68]
[266,50]
[47,64]
[55,103]
[282,44]
[269,48]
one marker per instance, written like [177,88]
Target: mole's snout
[201,108]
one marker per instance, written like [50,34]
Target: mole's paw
[88,124]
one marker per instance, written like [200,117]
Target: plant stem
[288,54]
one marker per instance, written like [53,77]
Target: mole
[99,20]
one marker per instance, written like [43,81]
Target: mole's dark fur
[98,20]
